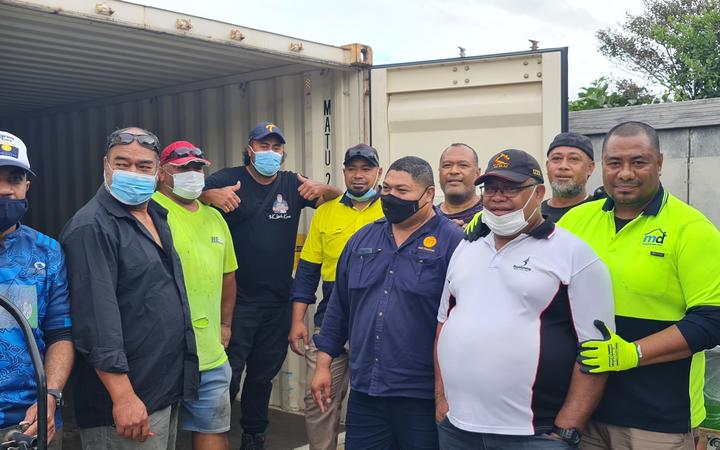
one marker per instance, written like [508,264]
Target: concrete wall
[689,139]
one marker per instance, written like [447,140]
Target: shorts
[210,413]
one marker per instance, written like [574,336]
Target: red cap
[180,153]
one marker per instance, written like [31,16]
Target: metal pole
[39,370]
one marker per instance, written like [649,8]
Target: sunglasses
[182,152]
[146,140]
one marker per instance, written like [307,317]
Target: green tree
[600,94]
[674,43]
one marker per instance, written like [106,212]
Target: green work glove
[472,228]
[612,354]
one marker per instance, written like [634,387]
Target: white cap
[13,152]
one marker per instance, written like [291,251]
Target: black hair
[460,144]
[418,168]
[632,128]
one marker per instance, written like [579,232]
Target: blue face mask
[267,163]
[369,195]
[131,188]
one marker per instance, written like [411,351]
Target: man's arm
[314,190]
[322,380]
[227,306]
[441,404]
[129,412]
[583,396]
[59,358]
[224,199]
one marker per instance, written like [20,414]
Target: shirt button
[377,338]
[392,272]
[376,360]
[380,314]
[385,291]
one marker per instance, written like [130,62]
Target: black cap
[512,165]
[573,140]
[363,151]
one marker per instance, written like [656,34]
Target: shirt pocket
[648,273]
[363,267]
[427,276]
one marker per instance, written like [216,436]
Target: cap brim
[371,160]
[187,160]
[263,136]
[503,175]
[12,162]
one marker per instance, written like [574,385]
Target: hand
[310,189]
[131,418]
[225,333]
[441,408]
[224,198]
[320,387]
[31,419]
[612,354]
[298,332]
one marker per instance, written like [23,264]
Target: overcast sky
[407,30]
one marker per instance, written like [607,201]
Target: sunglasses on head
[146,140]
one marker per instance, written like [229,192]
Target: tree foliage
[602,94]
[674,43]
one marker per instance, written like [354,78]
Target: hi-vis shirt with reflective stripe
[665,270]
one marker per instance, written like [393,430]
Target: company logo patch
[9,150]
[523,267]
[430,241]
[217,240]
[270,127]
[536,172]
[502,161]
[654,237]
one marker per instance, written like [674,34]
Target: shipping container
[75,70]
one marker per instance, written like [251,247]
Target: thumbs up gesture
[225,199]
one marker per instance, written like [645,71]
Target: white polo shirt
[512,320]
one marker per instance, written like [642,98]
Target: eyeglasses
[185,151]
[507,191]
[146,140]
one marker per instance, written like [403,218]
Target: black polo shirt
[129,309]
[264,230]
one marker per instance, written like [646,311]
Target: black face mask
[11,211]
[397,210]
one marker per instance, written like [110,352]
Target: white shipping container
[74,70]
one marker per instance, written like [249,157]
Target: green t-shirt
[203,243]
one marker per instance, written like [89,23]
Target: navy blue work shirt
[385,304]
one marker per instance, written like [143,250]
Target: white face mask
[508,224]
[188,185]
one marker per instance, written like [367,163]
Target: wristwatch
[570,435]
[57,393]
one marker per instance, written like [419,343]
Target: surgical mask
[130,188]
[188,185]
[508,224]
[398,210]
[267,163]
[11,211]
[368,195]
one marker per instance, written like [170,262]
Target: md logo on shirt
[654,237]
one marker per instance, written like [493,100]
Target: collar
[347,201]
[114,207]
[542,231]
[651,209]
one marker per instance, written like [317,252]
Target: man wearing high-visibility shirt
[664,264]
[331,227]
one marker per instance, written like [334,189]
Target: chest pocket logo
[280,208]
[654,237]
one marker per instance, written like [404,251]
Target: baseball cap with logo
[512,165]
[13,152]
[180,153]
[362,151]
[265,129]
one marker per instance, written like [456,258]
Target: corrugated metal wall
[321,114]
[689,135]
